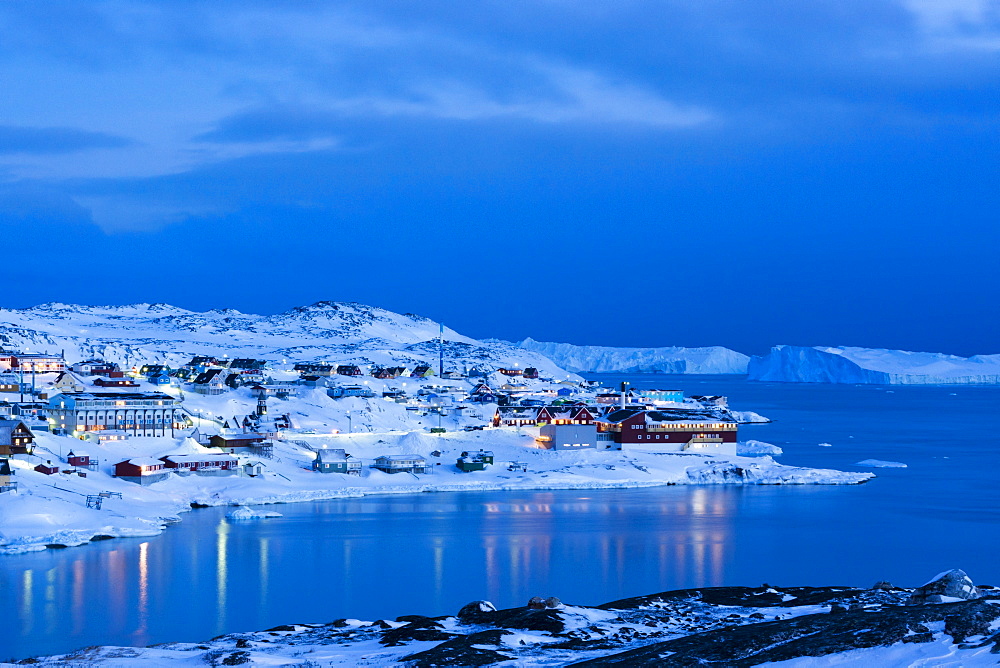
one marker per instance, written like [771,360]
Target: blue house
[336,460]
[159,379]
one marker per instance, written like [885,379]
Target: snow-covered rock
[797,364]
[602,359]
[248,513]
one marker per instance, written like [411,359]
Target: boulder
[552,602]
[536,603]
[474,609]
[947,587]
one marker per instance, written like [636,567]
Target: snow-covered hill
[796,364]
[602,359]
[336,331]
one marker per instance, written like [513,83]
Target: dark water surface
[383,557]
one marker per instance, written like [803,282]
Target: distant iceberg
[603,359]
[798,364]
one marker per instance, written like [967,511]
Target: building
[669,430]
[315,369]
[94,367]
[81,459]
[104,381]
[7,483]
[15,438]
[511,372]
[336,460]
[422,371]
[277,389]
[141,470]
[565,414]
[211,382]
[201,464]
[515,416]
[339,392]
[67,382]
[106,435]
[530,372]
[247,365]
[202,361]
[348,370]
[37,363]
[568,436]
[9,382]
[138,413]
[235,443]
[401,464]
[48,468]
[474,461]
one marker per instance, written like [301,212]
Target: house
[202,361]
[247,365]
[159,379]
[211,382]
[234,443]
[565,414]
[315,369]
[139,413]
[201,464]
[103,381]
[511,372]
[336,460]
[48,468]
[313,381]
[348,370]
[9,383]
[422,371]
[515,416]
[7,483]
[106,435]
[401,464]
[385,373]
[141,470]
[148,370]
[277,389]
[474,461]
[251,470]
[94,367]
[564,436]
[340,392]
[15,438]
[669,430]
[37,363]
[67,382]
[453,375]
[81,459]
[530,372]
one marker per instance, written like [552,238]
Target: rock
[470,650]
[552,602]
[947,587]
[536,603]
[882,585]
[471,610]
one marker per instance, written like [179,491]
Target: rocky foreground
[948,621]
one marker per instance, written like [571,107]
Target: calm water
[432,553]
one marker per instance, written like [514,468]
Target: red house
[665,427]
[142,470]
[530,372]
[511,372]
[79,459]
[348,370]
[48,468]
[201,463]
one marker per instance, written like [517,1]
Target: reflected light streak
[27,601]
[221,566]
[143,612]
[78,601]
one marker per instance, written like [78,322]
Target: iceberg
[604,359]
[799,364]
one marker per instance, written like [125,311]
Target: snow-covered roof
[199,458]
[145,461]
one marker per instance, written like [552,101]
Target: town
[97,402]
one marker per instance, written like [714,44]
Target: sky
[607,173]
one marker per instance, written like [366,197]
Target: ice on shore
[881,464]
[753,448]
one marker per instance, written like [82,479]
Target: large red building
[665,427]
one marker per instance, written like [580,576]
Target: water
[382,557]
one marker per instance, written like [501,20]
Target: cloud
[958,25]
[50,141]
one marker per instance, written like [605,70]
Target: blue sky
[627,173]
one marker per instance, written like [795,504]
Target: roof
[666,415]
[331,455]
[198,458]
[402,458]
[144,461]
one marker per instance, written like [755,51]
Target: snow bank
[601,359]
[796,364]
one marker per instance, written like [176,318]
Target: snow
[940,652]
[880,464]
[751,448]
[871,366]
[602,359]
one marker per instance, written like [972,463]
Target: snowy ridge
[797,364]
[603,359]
[346,332]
